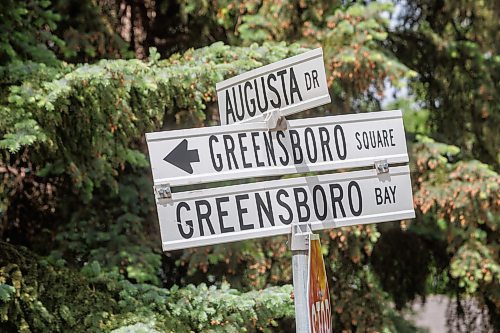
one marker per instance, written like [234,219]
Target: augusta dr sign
[294,84]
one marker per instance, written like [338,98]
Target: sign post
[300,238]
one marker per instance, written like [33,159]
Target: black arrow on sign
[182,158]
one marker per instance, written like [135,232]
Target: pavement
[432,314]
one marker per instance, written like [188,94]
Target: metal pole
[300,262]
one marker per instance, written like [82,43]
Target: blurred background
[82,81]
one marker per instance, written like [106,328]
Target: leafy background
[82,81]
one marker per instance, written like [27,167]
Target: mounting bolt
[382,166]
[163,191]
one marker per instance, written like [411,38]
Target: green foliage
[37,304]
[25,133]
[350,35]
[357,63]
[6,292]
[120,246]
[88,34]
[452,45]
[415,119]
[76,185]
[26,31]
[459,200]
[95,301]
[403,281]
[360,304]
[106,108]
[79,147]
[474,265]
[454,240]
[46,31]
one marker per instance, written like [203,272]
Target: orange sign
[320,316]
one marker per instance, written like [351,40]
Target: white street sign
[248,211]
[220,153]
[291,85]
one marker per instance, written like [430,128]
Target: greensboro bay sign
[231,213]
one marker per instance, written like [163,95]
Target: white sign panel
[222,153]
[248,211]
[290,85]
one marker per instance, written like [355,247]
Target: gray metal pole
[300,261]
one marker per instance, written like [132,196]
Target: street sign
[219,153]
[257,141]
[319,310]
[249,211]
[290,85]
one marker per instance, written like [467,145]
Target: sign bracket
[381,166]
[299,238]
[163,192]
[275,122]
